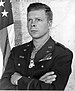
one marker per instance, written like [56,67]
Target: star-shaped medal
[31,64]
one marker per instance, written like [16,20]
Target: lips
[34,31]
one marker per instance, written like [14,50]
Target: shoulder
[22,47]
[62,50]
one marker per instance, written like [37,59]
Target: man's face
[37,23]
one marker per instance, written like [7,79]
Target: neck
[40,41]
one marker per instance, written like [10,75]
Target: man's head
[39,19]
[38,6]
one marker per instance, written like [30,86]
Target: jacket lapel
[45,53]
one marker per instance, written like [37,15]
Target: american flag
[6,32]
[6,17]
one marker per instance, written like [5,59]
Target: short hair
[38,6]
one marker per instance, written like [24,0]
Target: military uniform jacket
[51,57]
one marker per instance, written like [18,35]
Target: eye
[38,19]
[29,20]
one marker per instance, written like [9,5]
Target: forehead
[37,13]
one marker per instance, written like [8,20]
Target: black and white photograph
[37,45]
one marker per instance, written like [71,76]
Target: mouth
[33,31]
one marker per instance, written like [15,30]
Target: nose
[33,23]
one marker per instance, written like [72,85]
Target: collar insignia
[25,49]
[21,56]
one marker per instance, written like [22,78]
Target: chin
[36,37]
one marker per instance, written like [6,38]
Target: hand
[48,77]
[15,77]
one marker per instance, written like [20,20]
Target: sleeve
[61,67]
[33,84]
[5,83]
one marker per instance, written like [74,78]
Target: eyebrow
[36,17]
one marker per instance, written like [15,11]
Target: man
[41,64]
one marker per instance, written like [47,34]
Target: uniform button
[25,49]
[19,64]
[47,51]
[42,66]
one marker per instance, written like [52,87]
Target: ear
[49,24]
